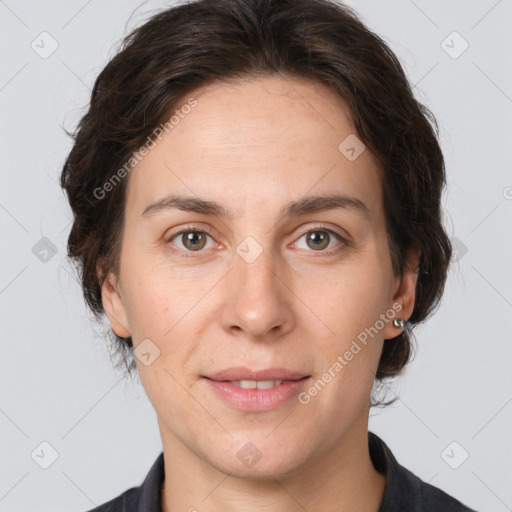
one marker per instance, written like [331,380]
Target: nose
[258,300]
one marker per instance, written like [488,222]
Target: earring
[399,322]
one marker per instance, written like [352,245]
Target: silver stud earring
[399,322]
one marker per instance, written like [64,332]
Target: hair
[191,45]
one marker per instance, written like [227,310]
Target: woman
[256,198]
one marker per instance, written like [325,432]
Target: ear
[405,293]
[113,305]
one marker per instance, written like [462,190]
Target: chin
[259,457]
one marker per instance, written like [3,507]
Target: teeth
[256,384]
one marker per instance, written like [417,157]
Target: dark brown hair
[193,44]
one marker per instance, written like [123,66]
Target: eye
[192,239]
[320,239]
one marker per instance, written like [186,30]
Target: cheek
[153,303]
[349,298]
[350,305]
[159,293]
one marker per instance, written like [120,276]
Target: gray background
[58,385]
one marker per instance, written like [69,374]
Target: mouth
[254,391]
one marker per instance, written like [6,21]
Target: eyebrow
[308,204]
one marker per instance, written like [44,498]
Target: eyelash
[209,231]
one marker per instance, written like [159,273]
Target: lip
[236,373]
[256,400]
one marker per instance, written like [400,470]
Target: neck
[341,479]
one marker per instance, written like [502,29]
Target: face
[259,285]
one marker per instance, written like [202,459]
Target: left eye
[320,239]
[193,239]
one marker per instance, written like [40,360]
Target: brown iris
[194,240]
[319,239]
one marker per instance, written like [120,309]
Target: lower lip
[256,399]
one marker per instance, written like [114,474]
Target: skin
[254,146]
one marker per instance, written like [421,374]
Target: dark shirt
[404,490]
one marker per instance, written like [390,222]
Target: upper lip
[237,373]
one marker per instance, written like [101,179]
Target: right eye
[192,239]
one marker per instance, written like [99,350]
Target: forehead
[250,140]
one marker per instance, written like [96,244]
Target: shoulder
[144,498]
[430,497]
[125,502]
[404,490]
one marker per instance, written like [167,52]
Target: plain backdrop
[451,425]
